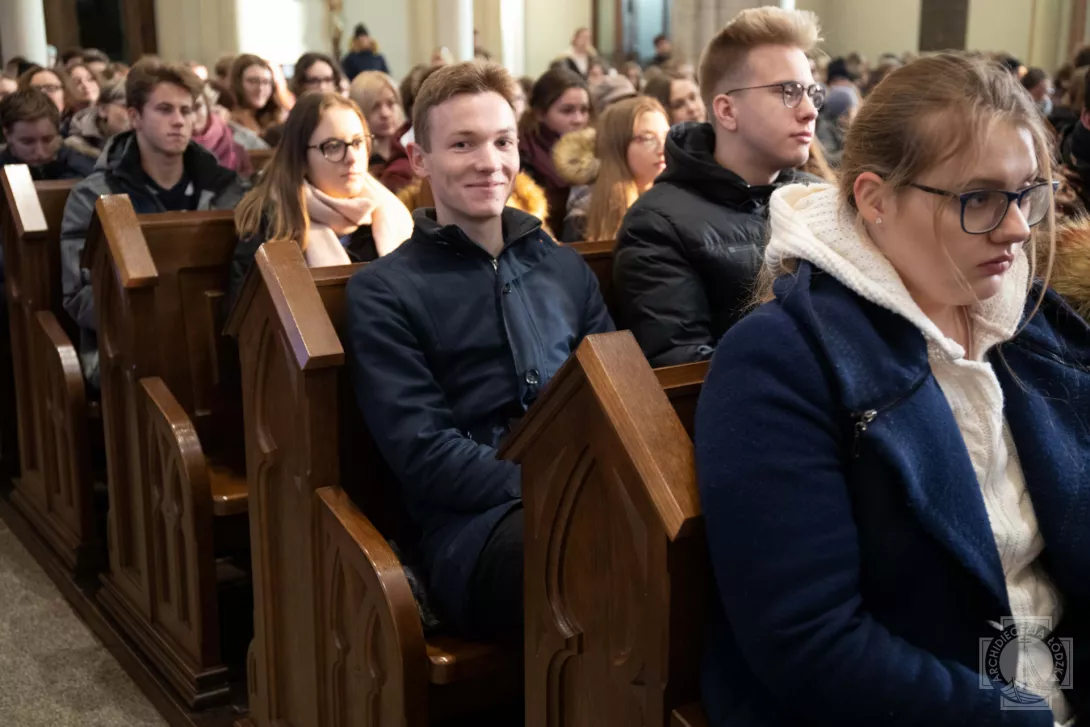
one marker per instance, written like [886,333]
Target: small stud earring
[878,221]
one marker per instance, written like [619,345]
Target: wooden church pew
[616,565]
[54,490]
[178,529]
[259,158]
[338,638]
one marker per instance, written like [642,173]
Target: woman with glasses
[253,86]
[609,168]
[315,73]
[893,450]
[317,191]
[212,131]
[678,95]
[94,126]
[50,81]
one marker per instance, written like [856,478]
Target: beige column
[22,30]
[454,27]
[695,22]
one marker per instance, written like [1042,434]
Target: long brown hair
[275,206]
[903,129]
[547,90]
[271,112]
[615,189]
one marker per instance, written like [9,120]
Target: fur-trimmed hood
[526,196]
[1071,270]
[574,157]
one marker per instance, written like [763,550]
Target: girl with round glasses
[317,191]
[893,449]
[611,166]
[254,87]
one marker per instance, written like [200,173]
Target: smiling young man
[157,164]
[454,334]
[690,248]
[30,122]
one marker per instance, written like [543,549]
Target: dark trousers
[495,588]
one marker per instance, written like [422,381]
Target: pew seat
[230,491]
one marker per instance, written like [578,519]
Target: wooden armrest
[230,493]
[691,715]
[22,199]
[128,247]
[452,660]
[280,265]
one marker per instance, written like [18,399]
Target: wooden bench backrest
[616,564]
[30,223]
[160,281]
[598,254]
[259,158]
[302,434]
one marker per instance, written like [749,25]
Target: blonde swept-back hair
[724,58]
[934,109]
[276,206]
[614,189]
[367,86]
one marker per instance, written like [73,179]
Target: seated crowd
[890,322]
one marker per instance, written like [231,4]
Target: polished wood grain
[616,569]
[171,411]
[54,489]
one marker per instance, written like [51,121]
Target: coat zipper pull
[495,265]
[861,427]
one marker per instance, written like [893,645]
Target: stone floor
[53,672]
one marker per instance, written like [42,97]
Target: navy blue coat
[449,347]
[856,567]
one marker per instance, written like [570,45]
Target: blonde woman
[316,190]
[380,101]
[892,452]
[611,167]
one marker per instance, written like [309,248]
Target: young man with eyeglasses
[157,165]
[690,248]
[454,334]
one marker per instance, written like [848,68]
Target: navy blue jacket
[856,567]
[449,347]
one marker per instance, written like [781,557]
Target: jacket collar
[691,163]
[517,226]
[121,158]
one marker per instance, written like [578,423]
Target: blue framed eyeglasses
[983,210]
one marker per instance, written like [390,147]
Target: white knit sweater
[809,223]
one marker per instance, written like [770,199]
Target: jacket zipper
[864,419]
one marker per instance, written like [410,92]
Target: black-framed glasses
[793,91]
[334,149]
[316,81]
[983,210]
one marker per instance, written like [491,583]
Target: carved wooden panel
[615,569]
[30,215]
[372,649]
